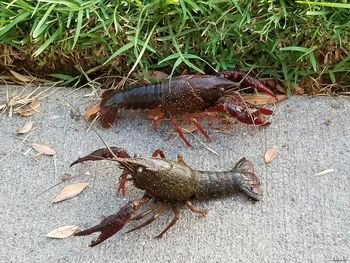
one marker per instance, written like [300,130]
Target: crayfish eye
[222,89]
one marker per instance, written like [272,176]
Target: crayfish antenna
[113,223]
[102,154]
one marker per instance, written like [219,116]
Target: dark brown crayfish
[168,184]
[188,97]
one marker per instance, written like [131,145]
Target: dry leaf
[43,149]
[325,172]
[270,154]
[63,232]
[298,90]
[156,75]
[21,77]
[70,191]
[26,128]
[91,111]
[30,109]
[263,99]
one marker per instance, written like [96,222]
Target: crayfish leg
[180,132]
[122,180]
[159,152]
[156,115]
[144,213]
[149,221]
[108,113]
[180,159]
[196,210]
[198,126]
[172,222]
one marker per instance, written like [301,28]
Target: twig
[48,189]
[70,104]
[205,146]
[93,128]
[25,138]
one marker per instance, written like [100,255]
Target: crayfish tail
[251,183]
[108,113]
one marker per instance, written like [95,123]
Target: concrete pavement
[303,217]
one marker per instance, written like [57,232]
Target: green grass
[282,39]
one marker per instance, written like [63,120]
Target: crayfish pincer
[168,184]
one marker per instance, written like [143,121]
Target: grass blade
[47,43]
[77,30]
[40,28]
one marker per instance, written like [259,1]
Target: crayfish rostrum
[189,97]
[168,184]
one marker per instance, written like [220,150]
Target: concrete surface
[303,217]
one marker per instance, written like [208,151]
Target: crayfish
[168,184]
[188,97]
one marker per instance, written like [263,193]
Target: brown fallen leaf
[63,231]
[43,149]
[70,191]
[296,89]
[30,109]
[20,77]
[91,111]
[26,128]
[156,75]
[263,99]
[324,172]
[270,154]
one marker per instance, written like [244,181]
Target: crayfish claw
[265,111]
[247,78]
[102,154]
[242,114]
[113,223]
[106,232]
[110,225]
